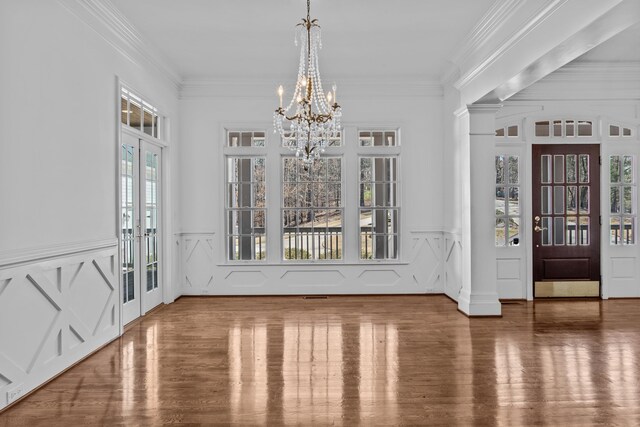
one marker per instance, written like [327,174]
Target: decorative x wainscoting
[54,313]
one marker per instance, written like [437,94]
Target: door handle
[537,227]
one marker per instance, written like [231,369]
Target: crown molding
[106,20]
[488,26]
[538,17]
[263,88]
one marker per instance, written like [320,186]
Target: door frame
[164,250]
[597,147]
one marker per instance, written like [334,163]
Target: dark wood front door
[566,220]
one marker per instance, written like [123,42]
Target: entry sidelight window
[507,201]
[622,199]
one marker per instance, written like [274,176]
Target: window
[246,139]
[378,138]
[312,209]
[245,208]
[508,131]
[379,212]
[622,192]
[563,128]
[507,229]
[619,131]
[139,114]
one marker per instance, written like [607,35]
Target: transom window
[619,131]
[563,128]
[139,114]
[622,199]
[508,131]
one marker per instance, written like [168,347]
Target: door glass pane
[572,199]
[614,230]
[513,169]
[627,200]
[558,227]
[546,231]
[615,200]
[558,169]
[572,230]
[500,232]
[514,231]
[584,200]
[500,172]
[514,202]
[572,175]
[558,200]
[128,224]
[583,236]
[628,231]
[545,169]
[583,168]
[500,203]
[614,169]
[546,200]
[151,223]
[627,169]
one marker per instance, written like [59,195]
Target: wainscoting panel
[52,314]
[205,273]
[452,264]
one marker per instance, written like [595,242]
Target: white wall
[204,118]
[59,274]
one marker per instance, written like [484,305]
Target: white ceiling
[253,39]
[621,47]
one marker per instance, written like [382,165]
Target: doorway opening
[566,220]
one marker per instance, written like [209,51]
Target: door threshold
[567,289]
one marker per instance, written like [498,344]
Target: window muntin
[245,212]
[139,114]
[622,199]
[507,201]
[379,207]
[312,211]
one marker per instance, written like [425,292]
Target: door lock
[537,227]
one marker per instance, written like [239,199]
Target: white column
[479,293]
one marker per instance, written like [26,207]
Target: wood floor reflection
[397,360]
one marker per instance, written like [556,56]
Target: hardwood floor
[392,360]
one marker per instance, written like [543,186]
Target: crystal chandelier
[310,120]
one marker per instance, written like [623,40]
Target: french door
[566,220]
[141,234]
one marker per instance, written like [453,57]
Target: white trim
[11,258]
[203,87]
[487,27]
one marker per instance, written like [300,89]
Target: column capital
[484,108]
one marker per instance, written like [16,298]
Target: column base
[486,305]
